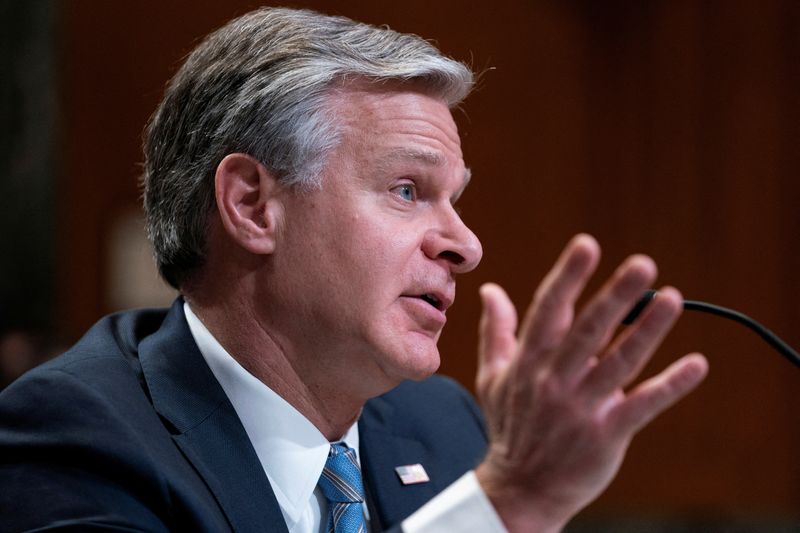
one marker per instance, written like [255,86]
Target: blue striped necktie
[342,486]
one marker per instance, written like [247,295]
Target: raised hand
[559,417]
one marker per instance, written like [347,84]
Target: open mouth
[432,300]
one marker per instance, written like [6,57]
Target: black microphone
[693,305]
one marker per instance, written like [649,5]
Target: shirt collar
[291,449]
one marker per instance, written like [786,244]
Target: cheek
[384,256]
[360,256]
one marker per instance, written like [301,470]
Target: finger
[633,349]
[550,315]
[497,331]
[655,395]
[597,322]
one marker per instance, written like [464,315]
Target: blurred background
[665,127]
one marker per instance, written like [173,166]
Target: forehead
[399,122]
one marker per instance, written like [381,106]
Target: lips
[439,300]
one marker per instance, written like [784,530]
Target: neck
[298,378]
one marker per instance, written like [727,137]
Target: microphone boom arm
[693,305]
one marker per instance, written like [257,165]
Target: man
[300,181]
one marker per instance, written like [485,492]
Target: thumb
[497,332]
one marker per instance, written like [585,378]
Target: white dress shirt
[293,452]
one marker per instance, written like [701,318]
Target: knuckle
[593,326]
[548,386]
[545,299]
[626,359]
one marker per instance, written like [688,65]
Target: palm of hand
[559,418]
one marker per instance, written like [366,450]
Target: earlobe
[246,194]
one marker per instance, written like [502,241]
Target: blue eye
[407,192]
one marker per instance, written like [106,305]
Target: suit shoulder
[95,388]
[109,346]
[116,334]
[429,406]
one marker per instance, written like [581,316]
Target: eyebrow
[428,157]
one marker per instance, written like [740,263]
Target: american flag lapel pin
[412,474]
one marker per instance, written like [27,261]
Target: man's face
[364,268]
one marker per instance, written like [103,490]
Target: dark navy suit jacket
[129,430]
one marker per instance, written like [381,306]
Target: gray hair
[259,85]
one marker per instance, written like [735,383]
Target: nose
[451,241]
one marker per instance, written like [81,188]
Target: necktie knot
[341,485]
[341,477]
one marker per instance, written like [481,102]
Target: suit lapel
[205,426]
[382,449]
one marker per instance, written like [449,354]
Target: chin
[415,357]
[420,362]
[423,374]
[407,369]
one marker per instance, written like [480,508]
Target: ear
[246,194]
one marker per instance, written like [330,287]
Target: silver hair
[259,85]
